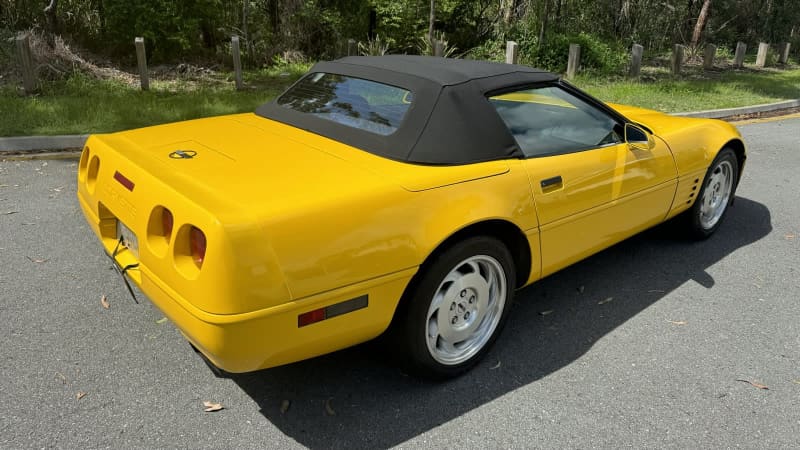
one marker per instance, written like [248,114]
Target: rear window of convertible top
[354,102]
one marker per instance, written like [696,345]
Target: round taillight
[167,222]
[197,244]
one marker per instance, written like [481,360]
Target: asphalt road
[643,345]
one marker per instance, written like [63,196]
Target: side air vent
[695,188]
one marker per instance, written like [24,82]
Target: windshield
[367,105]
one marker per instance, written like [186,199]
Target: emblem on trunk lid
[183,154]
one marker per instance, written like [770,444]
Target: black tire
[697,219]
[415,325]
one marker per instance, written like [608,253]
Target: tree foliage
[186,29]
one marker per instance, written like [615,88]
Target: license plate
[128,238]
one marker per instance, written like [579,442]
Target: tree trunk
[51,13]
[702,19]
[431,20]
[545,17]
[101,14]
[623,13]
[245,32]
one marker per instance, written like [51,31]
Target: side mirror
[637,138]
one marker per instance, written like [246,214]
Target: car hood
[661,124]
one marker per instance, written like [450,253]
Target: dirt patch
[761,115]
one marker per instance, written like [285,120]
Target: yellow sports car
[402,194]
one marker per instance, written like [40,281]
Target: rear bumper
[267,337]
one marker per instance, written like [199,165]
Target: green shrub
[596,55]
[171,30]
[490,50]
[724,53]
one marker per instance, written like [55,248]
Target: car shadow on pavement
[360,398]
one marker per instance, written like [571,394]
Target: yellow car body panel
[299,243]
[583,213]
[295,221]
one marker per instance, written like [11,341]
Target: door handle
[552,183]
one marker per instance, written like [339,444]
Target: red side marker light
[317,315]
[330,311]
[124,181]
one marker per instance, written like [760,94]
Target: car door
[591,188]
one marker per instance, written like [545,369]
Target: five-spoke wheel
[716,194]
[455,309]
[466,309]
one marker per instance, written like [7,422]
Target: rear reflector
[197,244]
[167,222]
[337,309]
[124,181]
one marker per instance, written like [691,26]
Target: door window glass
[550,120]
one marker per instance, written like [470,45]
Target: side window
[549,120]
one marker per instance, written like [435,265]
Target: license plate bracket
[127,238]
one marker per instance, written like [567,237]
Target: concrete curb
[42,143]
[38,144]
[730,112]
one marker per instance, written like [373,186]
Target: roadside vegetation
[80,105]
[84,58]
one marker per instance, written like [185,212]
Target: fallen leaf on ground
[796,381]
[496,366]
[789,237]
[755,384]
[161,320]
[677,322]
[37,261]
[80,395]
[104,302]
[8,213]
[211,407]
[328,408]
[544,313]
[285,406]
[603,302]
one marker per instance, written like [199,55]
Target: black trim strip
[347,306]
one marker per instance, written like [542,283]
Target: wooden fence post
[708,57]
[783,54]
[573,61]
[26,63]
[438,48]
[141,58]
[352,47]
[512,52]
[677,59]
[738,59]
[761,58]
[636,60]
[237,62]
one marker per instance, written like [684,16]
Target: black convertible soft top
[450,120]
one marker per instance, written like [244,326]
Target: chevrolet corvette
[401,195]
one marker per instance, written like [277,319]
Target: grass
[83,105]
[696,91]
